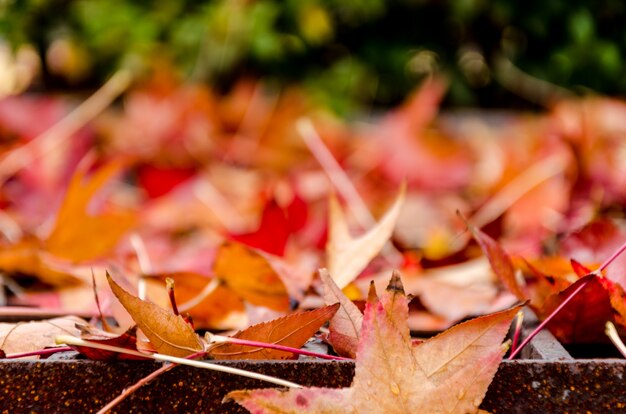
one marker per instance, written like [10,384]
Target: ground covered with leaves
[183,225]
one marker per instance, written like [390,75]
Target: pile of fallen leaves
[216,212]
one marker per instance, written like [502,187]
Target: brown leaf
[33,336]
[347,256]
[499,260]
[449,373]
[250,276]
[168,333]
[292,330]
[396,304]
[26,257]
[78,235]
[345,325]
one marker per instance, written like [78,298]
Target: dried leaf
[33,336]
[250,276]
[78,235]
[449,373]
[168,333]
[26,257]
[348,256]
[127,340]
[582,319]
[499,260]
[292,330]
[396,304]
[345,326]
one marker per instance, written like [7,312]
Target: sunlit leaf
[168,333]
[292,330]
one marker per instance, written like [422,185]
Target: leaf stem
[40,352]
[169,283]
[71,340]
[226,339]
[548,319]
[613,257]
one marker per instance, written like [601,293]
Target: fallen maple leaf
[583,318]
[292,330]
[168,333]
[34,336]
[345,326]
[449,373]
[250,276]
[347,256]
[26,257]
[273,232]
[578,311]
[78,235]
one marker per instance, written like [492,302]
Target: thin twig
[40,352]
[610,260]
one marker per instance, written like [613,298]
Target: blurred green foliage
[346,52]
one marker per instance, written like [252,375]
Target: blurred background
[348,54]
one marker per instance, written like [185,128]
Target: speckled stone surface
[85,386]
[62,386]
[574,386]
